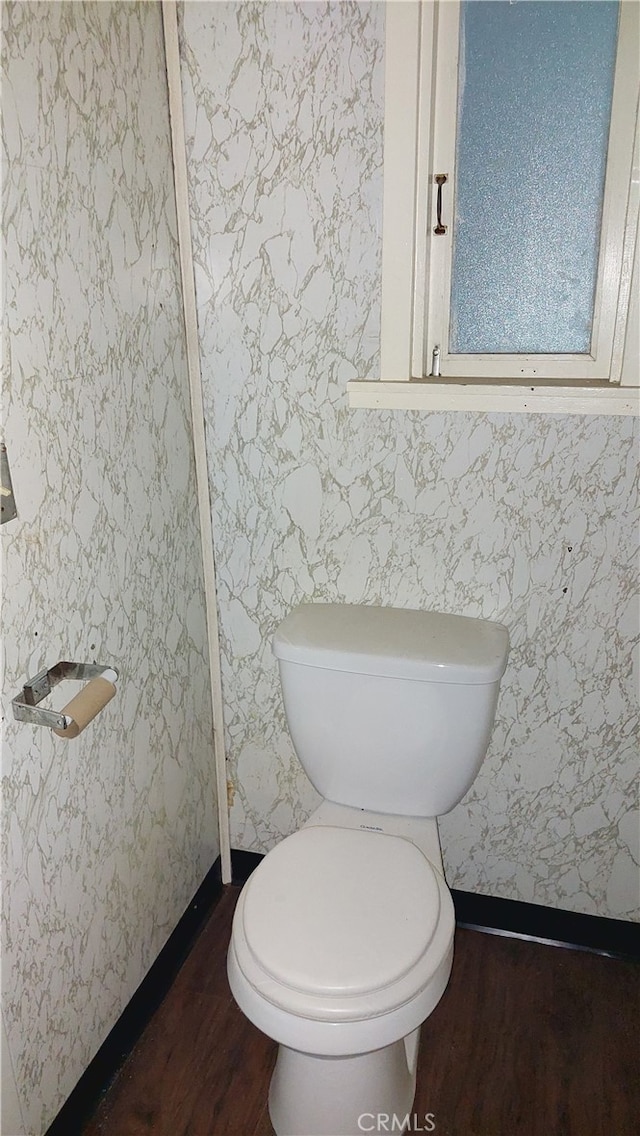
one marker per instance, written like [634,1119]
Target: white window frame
[411,107]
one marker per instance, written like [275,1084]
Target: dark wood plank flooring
[528,1040]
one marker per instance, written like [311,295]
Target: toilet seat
[340,925]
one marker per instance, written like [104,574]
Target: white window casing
[419,140]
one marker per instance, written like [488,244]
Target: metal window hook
[439,228]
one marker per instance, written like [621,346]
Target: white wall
[11,1121]
[531,520]
[105,839]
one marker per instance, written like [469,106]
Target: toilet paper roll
[87,703]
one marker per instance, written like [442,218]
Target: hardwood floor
[528,1040]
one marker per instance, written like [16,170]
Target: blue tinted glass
[534,105]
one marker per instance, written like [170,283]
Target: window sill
[424,394]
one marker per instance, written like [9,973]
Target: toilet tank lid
[392,642]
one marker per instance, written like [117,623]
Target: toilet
[342,940]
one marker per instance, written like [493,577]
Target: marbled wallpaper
[528,519]
[106,838]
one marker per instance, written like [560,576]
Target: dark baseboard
[112,1054]
[614,937]
[243,864]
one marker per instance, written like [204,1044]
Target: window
[510,207]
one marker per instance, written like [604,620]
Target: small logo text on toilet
[393,1122]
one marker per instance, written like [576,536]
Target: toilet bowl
[342,945]
[342,940]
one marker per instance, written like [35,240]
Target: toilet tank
[390,710]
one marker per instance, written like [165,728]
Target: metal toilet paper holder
[25,705]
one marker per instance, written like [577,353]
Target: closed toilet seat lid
[340,913]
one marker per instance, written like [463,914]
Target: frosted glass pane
[534,105]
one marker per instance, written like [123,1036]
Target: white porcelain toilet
[342,939]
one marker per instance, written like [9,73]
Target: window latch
[440,180]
